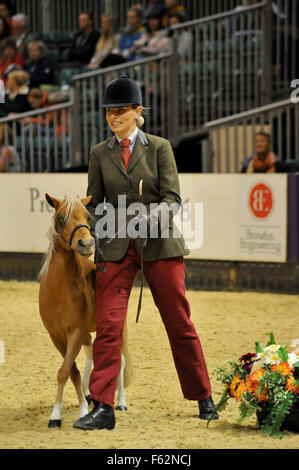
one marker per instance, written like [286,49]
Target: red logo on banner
[261,200]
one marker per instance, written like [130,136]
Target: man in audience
[38,66]
[22,35]
[85,41]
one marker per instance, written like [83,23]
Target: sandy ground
[158,417]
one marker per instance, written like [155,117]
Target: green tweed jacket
[153,162]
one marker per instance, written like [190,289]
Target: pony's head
[71,222]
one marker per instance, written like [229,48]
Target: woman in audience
[10,59]
[109,40]
[9,158]
[38,66]
[153,40]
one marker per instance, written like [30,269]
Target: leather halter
[75,229]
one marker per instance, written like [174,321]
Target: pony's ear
[52,201]
[86,200]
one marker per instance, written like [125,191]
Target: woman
[108,41]
[38,66]
[153,41]
[9,159]
[10,60]
[263,160]
[115,169]
[16,99]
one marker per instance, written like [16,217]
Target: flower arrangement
[265,382]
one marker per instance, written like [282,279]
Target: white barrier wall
[244,216]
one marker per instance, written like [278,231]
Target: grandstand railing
[43,139]
[48,16]
[231,139]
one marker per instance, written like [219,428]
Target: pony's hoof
[88,399]
[54,423]
[121,408]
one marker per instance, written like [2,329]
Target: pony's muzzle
[86,247]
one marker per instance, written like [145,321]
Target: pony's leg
[121,398]
[55,417]
[76,379]
[87,370]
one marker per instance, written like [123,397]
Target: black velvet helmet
[121,92]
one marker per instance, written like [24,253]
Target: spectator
[10,60]
[263,160]
[131,33]
[9,159]
[85,41]
[155,6]
[172,6]
[38,66]
[17,93]
[153,40]
[5,13]
[5,30]
[108,41]
[184,37]
[44,124]
[21,35]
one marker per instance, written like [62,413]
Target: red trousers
[166,279]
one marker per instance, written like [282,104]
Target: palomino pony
[67,300]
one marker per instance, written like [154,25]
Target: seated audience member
[10,59]
[184,37]
[172,6]
[9,159]
[16,98]
[5,12]
[38,66]
[84,42]
[133,30]
[22,35]
[153,40]
[263,160]
[44,124]
[108,41]
[155,6]
[5,30]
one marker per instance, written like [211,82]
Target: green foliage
[277,414]
[282,353]
[271,340]
[258,348]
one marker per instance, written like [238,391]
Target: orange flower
[292,385]
[234,383]
[252,385]
[283,368]
[237,387]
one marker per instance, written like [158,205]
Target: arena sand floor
[158,417]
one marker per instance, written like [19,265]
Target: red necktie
[125,151]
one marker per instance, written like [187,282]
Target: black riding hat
[121,92]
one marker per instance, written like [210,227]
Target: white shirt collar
[132,137]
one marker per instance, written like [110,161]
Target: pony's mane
[69,203]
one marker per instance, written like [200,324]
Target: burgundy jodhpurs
[166,279]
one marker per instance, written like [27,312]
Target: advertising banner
[223,216]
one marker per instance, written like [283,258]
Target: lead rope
[141,263]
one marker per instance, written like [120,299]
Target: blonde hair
[20,76]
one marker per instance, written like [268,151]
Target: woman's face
[35,53]
[153,24]
[105,24]
[11,84]
[122,121]
[9,53]
[261,144]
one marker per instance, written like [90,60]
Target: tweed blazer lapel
[139,150]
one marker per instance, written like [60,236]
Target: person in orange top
[10,59]
[263,161]
[172,6]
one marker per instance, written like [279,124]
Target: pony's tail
[128,373]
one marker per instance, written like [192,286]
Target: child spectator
[109,40]
[9,159]
[263,160]
[10,60]
[38,66]
[17,93]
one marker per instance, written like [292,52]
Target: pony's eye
[60,220]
